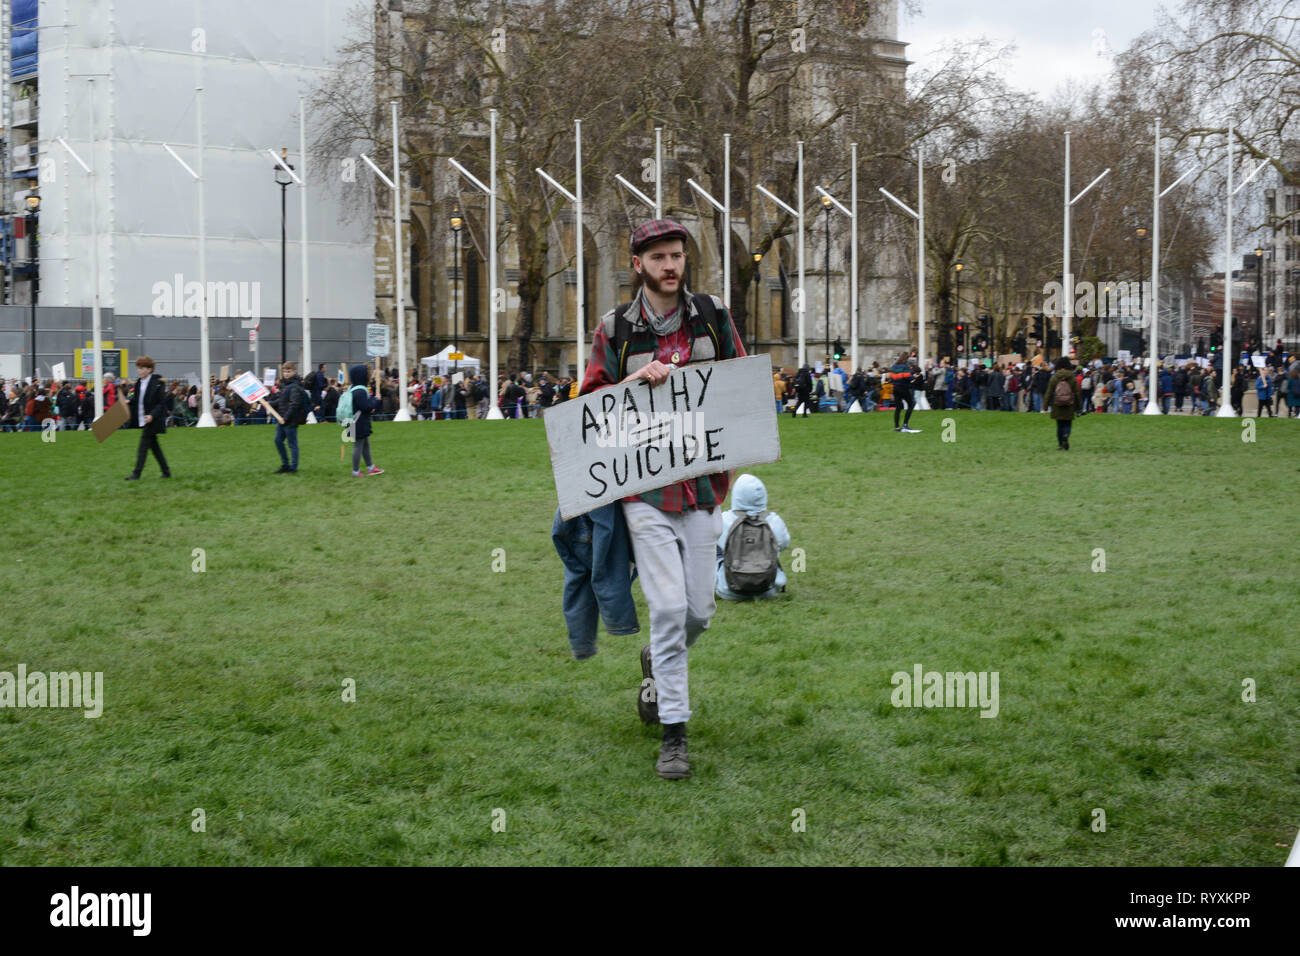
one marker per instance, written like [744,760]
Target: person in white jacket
[749,495]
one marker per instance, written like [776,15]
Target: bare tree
[540,65]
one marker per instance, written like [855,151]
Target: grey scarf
[661,325]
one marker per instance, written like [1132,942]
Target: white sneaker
[907,430]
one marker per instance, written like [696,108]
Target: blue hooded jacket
[749,495]
[362,403]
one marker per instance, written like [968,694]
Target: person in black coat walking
[1064,406]
[67,402]
[1180,387]
[85,406]
[148,411]
[293,403]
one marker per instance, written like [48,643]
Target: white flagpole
[1229,361]
[581,323]
[726,220]
[399,292]
[96,327]
[308,368]
[1153,380]
[920,255]
[853,260]
[1067,279]
[659,170]
[205,354]
[803,349]
[494,410]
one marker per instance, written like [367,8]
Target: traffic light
[1038,327]
[839,350]
[981,342]
[986,330]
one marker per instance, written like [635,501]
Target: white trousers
[675,559]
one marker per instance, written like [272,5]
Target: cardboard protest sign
[248,388]
[631,438]
[109,422]
[60,372]
[225,373]
[252,391]
[377,340]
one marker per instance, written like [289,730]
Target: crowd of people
[1116,387]
[25,405]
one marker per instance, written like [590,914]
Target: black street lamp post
[1294,327]
[753,334]
[1259,296]
[457,223]
[1141,234]
[283,180]
[34,204]
[958,323]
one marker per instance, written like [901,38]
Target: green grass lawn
[223,690]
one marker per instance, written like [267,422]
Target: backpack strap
[623,329]
[622,333]
[704,305]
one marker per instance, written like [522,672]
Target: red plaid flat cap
[654,230]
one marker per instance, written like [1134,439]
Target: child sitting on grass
[749,497]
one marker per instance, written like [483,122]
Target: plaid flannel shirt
[707,491]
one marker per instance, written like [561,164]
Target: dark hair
[1063,363]
[903,358]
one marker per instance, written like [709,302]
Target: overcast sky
[1056,40]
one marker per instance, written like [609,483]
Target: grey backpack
[749,557]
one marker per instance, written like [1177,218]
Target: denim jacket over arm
[597,557]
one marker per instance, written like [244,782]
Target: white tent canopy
[442,365]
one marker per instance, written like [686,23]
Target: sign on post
[631,438]
[115,360]
[377,340]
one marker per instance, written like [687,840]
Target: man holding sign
[672,528]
